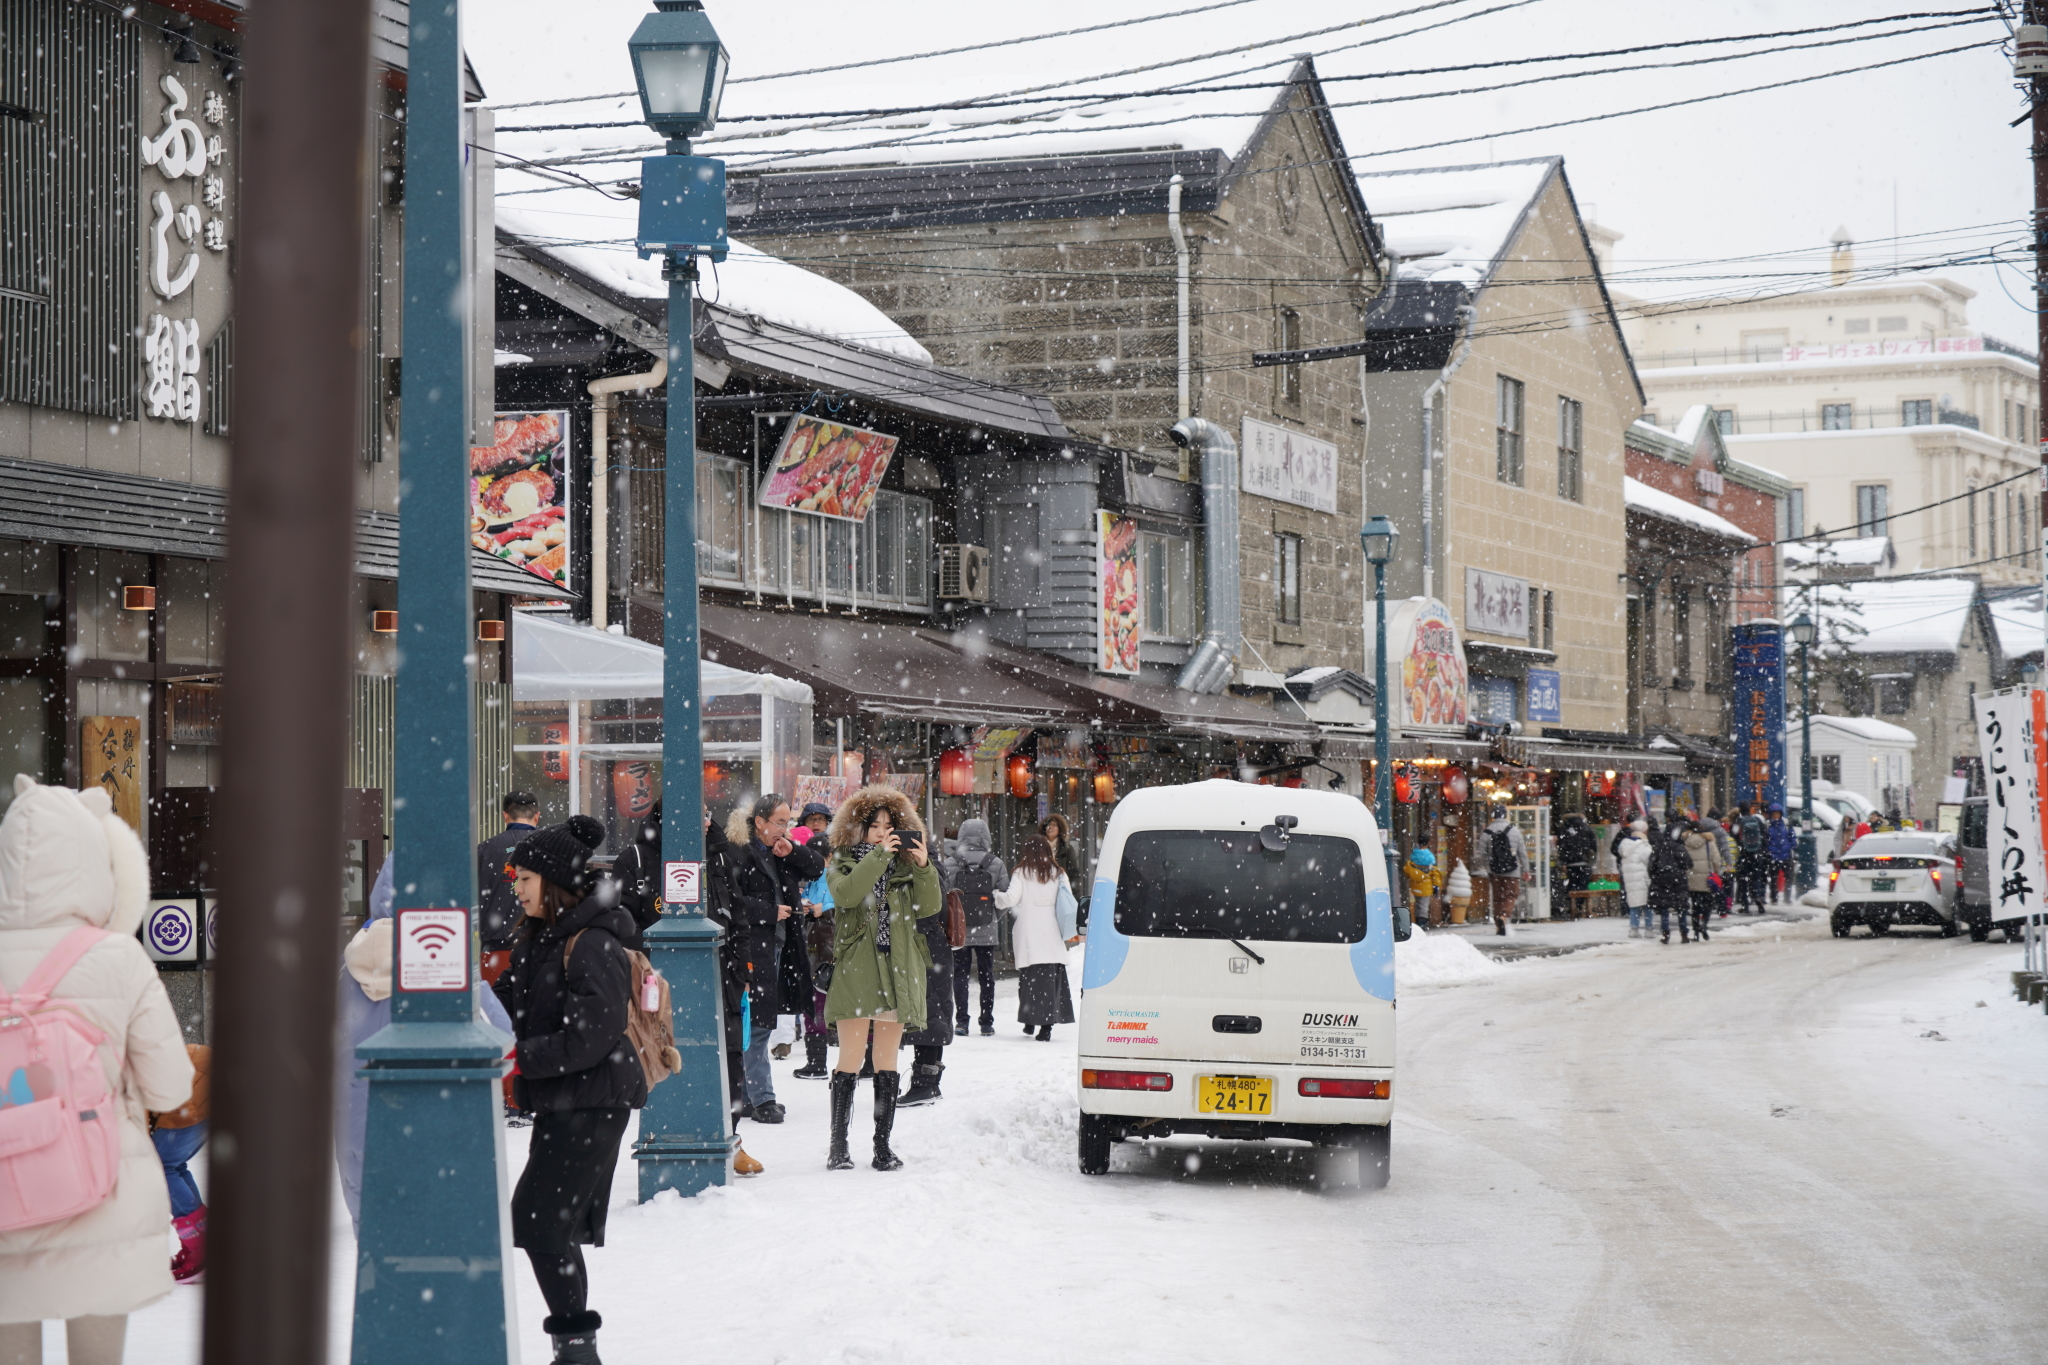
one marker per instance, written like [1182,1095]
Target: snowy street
[1744,1151]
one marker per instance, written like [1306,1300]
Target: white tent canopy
[558,660]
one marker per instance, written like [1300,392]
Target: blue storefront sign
[1545,697]
[1757,714]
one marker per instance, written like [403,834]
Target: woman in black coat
[568,990]
[1670,876]
[769,872]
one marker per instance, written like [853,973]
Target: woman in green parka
[882,884]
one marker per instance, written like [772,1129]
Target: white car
[1240,973]
[1910,877]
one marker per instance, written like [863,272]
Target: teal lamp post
[1378,538]
[431,1270]
[685,1141]
[1803,632]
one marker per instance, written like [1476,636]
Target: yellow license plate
[1249,1095]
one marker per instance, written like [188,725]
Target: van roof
[1221,804]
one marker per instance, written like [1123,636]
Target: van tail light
[1935,872]
[1092,1079]
[1962,879]
[1332,1089]
[1834,874]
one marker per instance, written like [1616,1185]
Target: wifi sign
[433,950]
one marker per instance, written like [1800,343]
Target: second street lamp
[1378,537]
[1802,632]
[685,1141]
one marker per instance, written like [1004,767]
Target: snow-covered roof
[1895,616]
[558,660]
[1858,551]
[2018,623]
[1638,496]
[593,233]
[1453,223]
[1865,727]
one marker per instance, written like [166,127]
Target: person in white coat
[67,861]
[1633,852]
[1043,912]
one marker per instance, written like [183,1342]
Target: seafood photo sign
[828,469]
[519,493]
[1117,571]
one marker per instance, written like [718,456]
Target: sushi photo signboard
[1116,555]
[828,469]
[519,493]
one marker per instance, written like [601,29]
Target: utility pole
[291,500]
[2030,64]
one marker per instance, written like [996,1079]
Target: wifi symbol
[432,939]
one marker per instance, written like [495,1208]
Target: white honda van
[1239,978]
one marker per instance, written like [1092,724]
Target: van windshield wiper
[1254,956]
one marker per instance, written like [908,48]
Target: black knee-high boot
[885,1119]
[813,1068]
[838,1159]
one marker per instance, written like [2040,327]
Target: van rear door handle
[1237,1023]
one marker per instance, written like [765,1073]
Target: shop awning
[1134,701]
[558,660]
[1592,759]
[1353,745]
[886,669]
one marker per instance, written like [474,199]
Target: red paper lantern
[1404,786]
[1105,786]
[956,773]
[635,788]
[1456,786]
[1018,769]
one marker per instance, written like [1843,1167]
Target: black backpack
[976,883]
[1500,854]
[1670,862]
[1749,836]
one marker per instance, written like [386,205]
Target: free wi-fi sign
[433,950]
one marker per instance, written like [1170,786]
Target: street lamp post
[431,1259]
[685,1141]
[1802,631]
[1377,537]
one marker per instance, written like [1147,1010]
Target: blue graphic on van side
[1106,948]
[1372,957]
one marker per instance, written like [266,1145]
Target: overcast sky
[1919,148]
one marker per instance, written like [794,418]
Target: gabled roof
[1895,616]
[1638,496]
[1696,430]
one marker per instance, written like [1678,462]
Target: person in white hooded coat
[1633,852]
[67,861]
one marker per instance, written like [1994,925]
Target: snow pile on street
[1441,959]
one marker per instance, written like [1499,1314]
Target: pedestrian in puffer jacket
[67,863]
[1704,849]
[977,874]
[1633,854]
[1670,878]
[569,991]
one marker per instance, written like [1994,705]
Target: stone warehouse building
[1051,260]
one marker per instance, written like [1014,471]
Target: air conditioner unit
[966,573]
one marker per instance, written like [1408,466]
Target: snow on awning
[1895,616]
[2018,623]
[561,661]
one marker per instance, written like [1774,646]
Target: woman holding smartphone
[882,883]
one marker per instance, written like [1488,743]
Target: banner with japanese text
[1757,714]
[2009,733]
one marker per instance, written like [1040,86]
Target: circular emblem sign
[169,929]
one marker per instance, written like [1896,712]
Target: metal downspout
[1210,668]
[1180,256]
[601,393]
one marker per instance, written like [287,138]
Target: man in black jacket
[768,872]
[497,907]
[638,873]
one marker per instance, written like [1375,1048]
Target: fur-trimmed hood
[65,857]
[850,825]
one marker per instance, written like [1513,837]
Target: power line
[1960,17]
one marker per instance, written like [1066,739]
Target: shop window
[1893,324]
[1507,433]
[1831,768]
[1795,513]
[1894,694]
[1287,579]
[721,520]
[1873,509]
[1991,527]
[1970,517]
[1171,592]
[1724,421]
[1837,416]
[1549,620]
[1716,640]
[1856,326]
[884,561]
[1916,412]
[1571,449]
[1681,637]
[1493,701]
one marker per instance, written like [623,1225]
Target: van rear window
[1223,884]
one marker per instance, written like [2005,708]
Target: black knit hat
[561,853]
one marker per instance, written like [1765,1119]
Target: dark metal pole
[1809,860]
[1383,777]
[291,498]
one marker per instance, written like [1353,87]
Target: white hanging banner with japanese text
[2010,729]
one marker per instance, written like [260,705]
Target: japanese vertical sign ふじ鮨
[1758,714]
[2009,732]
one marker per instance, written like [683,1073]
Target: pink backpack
[60,1127]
